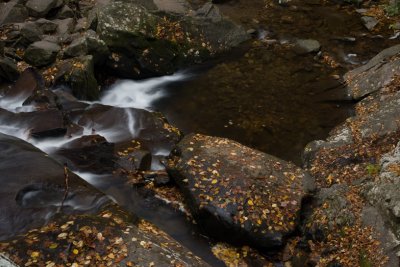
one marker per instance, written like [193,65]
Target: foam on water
[139,94]
[15,104]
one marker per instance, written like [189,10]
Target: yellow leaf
[214,181]
[53,246]
[75,251]
[35,254]
[250,202]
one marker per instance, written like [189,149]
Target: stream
[263,94]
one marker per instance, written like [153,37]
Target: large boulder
[33,188]
[237,193]
[88,228]
[41,53]
[374,75]
[110,237]
[160,41]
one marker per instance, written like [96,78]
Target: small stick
[66,180]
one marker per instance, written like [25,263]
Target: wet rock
[41,53]
[91,153]
[42,124]
[374,75]
[238,193]
[149,128]
[33,186]
[161,179]
[305,46]
[12,12]
[369,22]
[118,239]
[135,160]
[70,104]
[43,100]
[8,70]
[78,74]
[40,8]
[28,82]
[156,45]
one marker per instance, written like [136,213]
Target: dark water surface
[269,96]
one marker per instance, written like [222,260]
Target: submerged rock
[369,22]
[305,46]
[237,193]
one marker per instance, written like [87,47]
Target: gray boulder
[374,75]
[384,197]
[41,53]
[12,12]
[40,8]
[237,193]
[88,44]
[64,27]
[384,192]
[46,26]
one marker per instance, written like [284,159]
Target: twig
[66,180]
